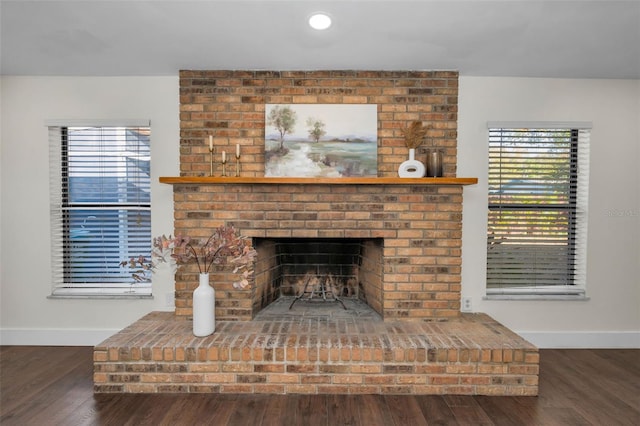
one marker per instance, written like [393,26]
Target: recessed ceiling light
[320,21]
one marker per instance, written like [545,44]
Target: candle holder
[237,164]
[210,161]
[224,163]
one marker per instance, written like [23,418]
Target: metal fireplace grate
[318,291]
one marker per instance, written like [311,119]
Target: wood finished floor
[53,386]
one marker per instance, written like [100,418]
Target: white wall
[611,315]
[610,318]
[27,315]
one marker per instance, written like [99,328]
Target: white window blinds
[536,239]
[100,208]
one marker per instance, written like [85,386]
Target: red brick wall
[421,225]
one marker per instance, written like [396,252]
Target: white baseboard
[583,339]
[54,337]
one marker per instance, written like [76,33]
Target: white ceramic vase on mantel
[411,168]
[204,303]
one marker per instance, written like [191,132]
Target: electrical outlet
[466,304]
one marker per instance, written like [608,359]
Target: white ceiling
[534,38]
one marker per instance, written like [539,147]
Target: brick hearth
[312,354]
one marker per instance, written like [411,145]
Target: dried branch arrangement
[414,134]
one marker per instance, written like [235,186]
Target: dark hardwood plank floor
[53,386]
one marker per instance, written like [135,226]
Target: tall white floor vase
[204,314]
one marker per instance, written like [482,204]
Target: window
[100,208]
[536,236]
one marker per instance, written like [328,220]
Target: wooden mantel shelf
[199,180]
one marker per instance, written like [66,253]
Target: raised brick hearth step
[472,354]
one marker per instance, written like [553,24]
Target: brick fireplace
[419,226]
[420,230]
[403,238]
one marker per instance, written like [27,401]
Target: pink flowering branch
[224,246]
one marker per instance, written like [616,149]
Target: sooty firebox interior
[319,268]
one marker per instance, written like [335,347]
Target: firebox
[319,269]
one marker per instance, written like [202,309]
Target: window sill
[140,291]
[100,296]
[548,297]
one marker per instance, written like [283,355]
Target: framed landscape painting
[321,140]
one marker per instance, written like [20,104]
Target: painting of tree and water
[321,140]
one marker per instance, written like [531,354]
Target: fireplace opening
[319,269]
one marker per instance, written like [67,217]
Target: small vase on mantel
[411,168]
[434,163]
[204,314]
